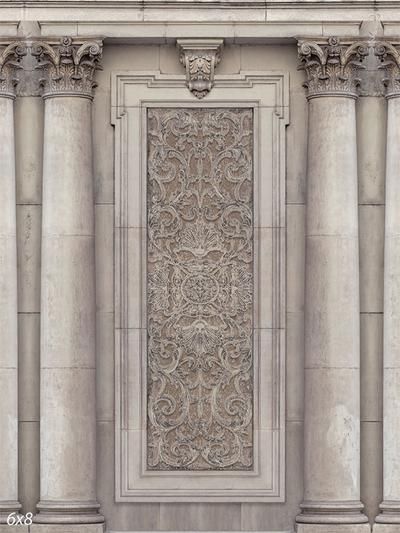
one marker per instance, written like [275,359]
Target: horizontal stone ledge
[128,27]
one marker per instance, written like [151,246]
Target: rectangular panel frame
[132,94]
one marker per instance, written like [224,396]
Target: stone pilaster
[332,329]
[388,520]
[67,402]
[10,56]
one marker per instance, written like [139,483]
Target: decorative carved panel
[200,289]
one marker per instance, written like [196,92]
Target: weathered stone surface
[17,529]
[200,57]
[390,507]
[332,67]
[200,289]
[331,221]
[66,528]
[333,528]
[8,288]
[68,67]
[68,300]
[332,306]
[386,528]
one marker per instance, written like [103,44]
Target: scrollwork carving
[200,289]
[332,67]
[68,67]
[389,57]
[200,59]
[10,62]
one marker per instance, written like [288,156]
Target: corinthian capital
[389,56]
[332,68]
[10,62]
[200,57]
[68,66]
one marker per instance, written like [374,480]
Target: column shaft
[332,378]
[332,303]
[371,141]
[68,300]
[68,433]
[388,520]
[390,508]
[8,323]
[10,55]
[29,152]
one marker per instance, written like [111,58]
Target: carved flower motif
[200,337]
[200,240]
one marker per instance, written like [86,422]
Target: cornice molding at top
[196,4]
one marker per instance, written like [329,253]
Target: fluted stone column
[388,520]
[9,59]
[67,402]
[332,328]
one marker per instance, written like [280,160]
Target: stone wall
[61,200]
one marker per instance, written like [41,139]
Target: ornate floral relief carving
[389,56]
[200,59]
[200,289]
[68,67]
[10,62]
[332,67]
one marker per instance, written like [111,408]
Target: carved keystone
[200,57]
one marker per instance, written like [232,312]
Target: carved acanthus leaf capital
[389,56]
[10,61]
[200,57]
[332,68]
[69,66]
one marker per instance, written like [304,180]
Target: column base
[386,528]
[6,508]
[66,528]
[68,512]
[13,529]
[334,528]
[346,513]
[390,514]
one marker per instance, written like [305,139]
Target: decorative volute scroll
[389,56]
[10,61]
[332,67]
[69,66]
[200,57]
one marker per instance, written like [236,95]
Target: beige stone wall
[371,216]
[202,516]
[371,124]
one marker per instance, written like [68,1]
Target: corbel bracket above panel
[200,57]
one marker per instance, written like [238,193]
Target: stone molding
[68,67]
[10,61]
[132,94]
[327,512]
[389,57]
[68,512]
[226,531]
[389,513]
[200,57]
[332,68]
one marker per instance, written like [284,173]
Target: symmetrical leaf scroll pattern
[200,289]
